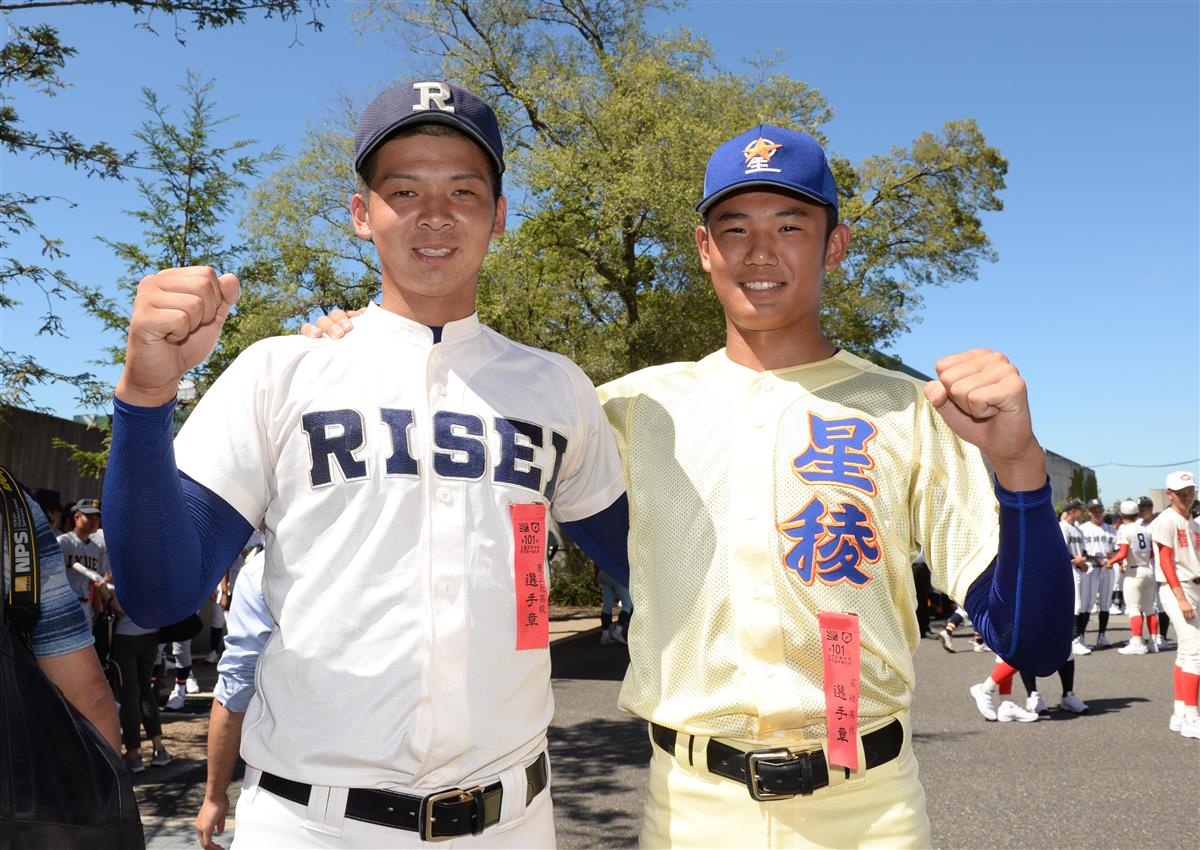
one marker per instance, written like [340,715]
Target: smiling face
[766,251]
[1182,500]
[431,214]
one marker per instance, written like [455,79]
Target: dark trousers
[923,582]
[135,656]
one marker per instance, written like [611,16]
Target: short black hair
[367,173]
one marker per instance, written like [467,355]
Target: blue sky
[1096,106]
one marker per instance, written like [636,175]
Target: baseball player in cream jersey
[779,482]
[1099,542]
[1176,537]
[405,477]
[1133,548]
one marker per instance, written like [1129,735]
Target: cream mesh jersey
[758,500]
[385,466]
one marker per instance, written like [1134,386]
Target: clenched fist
[176,322]
[983,399]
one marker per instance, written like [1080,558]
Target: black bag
[61,784]
[185,629]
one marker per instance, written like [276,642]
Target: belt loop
[326,810]
[515,783]
[697,750]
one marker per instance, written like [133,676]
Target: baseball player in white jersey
[405,477]
[1133,549]
[1083,572]
[1176,537]
[1099,542]
[83,544]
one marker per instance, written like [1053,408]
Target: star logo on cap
[758,155]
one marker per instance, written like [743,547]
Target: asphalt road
[1113,778]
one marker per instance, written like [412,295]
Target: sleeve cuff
[163,411]
[1023,499]
[234,696]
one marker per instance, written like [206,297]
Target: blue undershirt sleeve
[1022,603]
[604,537]
[169,538]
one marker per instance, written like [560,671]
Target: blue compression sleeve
[604,537]
[169,539]
[1022,603]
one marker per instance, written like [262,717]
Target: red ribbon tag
[529,573]
[842,653]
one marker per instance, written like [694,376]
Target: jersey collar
[419,334]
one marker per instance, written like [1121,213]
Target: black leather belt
[780,774]
[437,817]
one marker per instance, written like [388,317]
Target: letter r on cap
[434,93]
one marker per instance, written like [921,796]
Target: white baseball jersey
[91,553]
[385,467]
[1182,535]
[1098,540]
[1073,537]
[1137,538]
[759,500]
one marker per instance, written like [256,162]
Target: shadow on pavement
[597,764]
[584,658]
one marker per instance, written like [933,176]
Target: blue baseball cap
[427,102]
[769,156]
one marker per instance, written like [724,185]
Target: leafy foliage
[33,59]
[608,128]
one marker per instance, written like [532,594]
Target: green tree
[31,61]
[192,187]
[609,128]
[1091,489]
[1075,489]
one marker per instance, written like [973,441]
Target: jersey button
[443,495]
[435,778]
[447,687]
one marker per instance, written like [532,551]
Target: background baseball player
[1098,543]
[1177,541]
[1083,572]
[404,477]
[1133,548]
[84,545]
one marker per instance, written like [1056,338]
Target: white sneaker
[1080,648]
[1176,722]
[213,657]
[946,639]
[1153,644]
[1102,641]
[984,702]
[1190,728]
[1134,647]
[1073,703]
[1035,703]
[1115,609]
[1009,711]
[178,698]
[192,686]
[980,646]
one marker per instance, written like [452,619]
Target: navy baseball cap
[769,156]
[1072,505]
[427,102]
[86,506]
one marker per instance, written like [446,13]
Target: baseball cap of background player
[1072,505]
[770,156]
[1180,480]
[1145,502]
[1129,508]
[427,102]
[1095,503]
[86,506]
